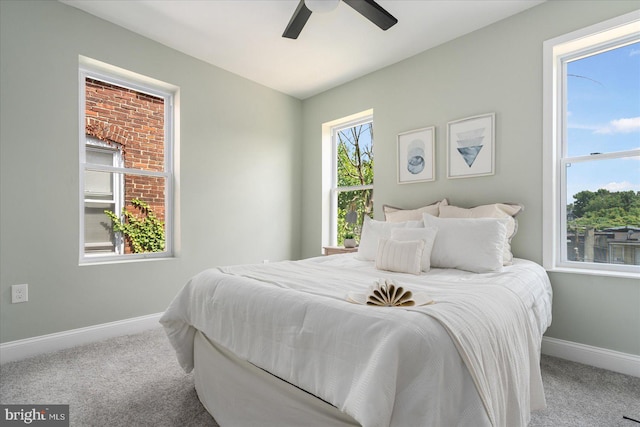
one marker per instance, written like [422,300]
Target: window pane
[603,211]
[603,102]
[128,117]
[355,155]
[148,189]
[142,197]
[614,175]
[352,207]
[144,200]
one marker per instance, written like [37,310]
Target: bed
[287,344]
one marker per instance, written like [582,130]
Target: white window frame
[330,172]
[90,68]
[556,52]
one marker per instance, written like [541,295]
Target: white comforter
[382,366]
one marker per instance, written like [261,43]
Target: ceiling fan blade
[299,18]
[373,12]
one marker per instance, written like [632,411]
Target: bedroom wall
[495,69]
[239,172]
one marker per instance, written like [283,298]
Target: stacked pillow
[494,210]
[425,234]
[397,246]
[474,244]
[476,239]
[400,256]
[392,214]
[373,231]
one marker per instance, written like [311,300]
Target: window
[348,176]
[353,185]
[592,149]
[126,165]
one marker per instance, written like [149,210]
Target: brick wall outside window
[135,121]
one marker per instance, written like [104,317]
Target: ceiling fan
[367,8]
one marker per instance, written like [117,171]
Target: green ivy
[145,233]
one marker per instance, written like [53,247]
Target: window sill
[594,272]
[124,260]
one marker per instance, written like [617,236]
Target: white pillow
[373,231]
[392,214]
[428,234]
[400,256]
[471,244]
[494,210]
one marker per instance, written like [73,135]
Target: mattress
[379,365]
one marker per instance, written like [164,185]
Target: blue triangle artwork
[470,144]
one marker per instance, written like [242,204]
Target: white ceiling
[245,36]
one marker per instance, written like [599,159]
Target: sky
[603,94]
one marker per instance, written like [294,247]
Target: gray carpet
[127,381]
[136,381]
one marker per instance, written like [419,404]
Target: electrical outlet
[19,293]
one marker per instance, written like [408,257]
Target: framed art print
[471,146]
[416,149]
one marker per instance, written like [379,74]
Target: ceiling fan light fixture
[321,6]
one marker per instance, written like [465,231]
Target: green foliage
[355,168]
[604,209]
[145,233]
[355,157]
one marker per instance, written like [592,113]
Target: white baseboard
[21,349]
[628,364]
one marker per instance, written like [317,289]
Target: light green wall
[239,172]
[496,69]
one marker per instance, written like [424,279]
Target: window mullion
[603,156]
[125,171]
[354,188]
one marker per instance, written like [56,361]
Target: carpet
[135,380]
[128,381]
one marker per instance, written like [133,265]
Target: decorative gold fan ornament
[386,293]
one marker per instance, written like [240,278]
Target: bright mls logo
[35,415]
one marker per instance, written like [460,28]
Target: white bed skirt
[238,393]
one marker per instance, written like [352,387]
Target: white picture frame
[471,146]
[416,155]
